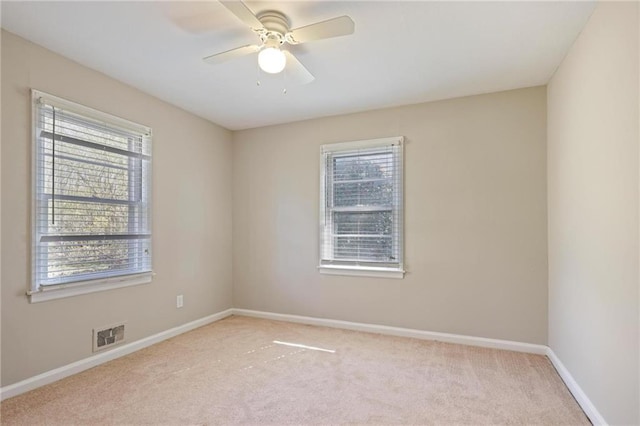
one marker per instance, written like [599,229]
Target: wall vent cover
[105,337]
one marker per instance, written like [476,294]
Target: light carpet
[255,371]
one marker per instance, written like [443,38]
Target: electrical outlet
[179,301]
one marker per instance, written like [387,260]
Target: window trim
[77,288]
[362,271]
[360,268]
[41,293]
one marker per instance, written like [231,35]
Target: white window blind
[92,195]
[361,204]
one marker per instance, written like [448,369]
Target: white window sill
[86,287]
[362,271]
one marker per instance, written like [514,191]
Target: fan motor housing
[274,21]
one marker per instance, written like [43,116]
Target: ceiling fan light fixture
[272,60]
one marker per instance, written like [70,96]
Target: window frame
[354,267]
[108,281]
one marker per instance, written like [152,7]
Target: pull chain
[53,169]
[284,81]
[257,74]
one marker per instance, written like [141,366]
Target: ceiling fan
[272,29]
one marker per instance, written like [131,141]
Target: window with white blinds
[361,207]
[92,196]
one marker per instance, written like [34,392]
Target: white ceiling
[401,52]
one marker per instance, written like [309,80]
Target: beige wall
[593,212]
[476,197]
[475,217]
[191,217]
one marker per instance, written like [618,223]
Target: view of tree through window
[92,199]
[362,207]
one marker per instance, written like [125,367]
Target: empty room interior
[320,212]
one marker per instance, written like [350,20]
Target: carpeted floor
[247,370]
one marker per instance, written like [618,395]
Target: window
[92,192]
[361,208]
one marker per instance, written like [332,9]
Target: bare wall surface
[475,219]
[593,185]
[191,217]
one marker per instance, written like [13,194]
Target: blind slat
[90,237]
[93,145]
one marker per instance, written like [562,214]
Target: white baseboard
[583,400]
[402,332]
[94,360]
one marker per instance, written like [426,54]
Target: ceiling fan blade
[335,27]
[194,17]
[196,24]
[243,13]
[221,57]
[297,72]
